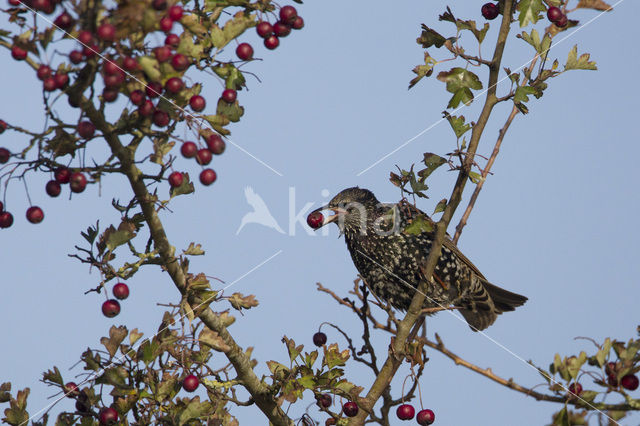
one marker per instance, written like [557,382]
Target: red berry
[197,103]
[319,338]
[271,42]
[1,207]
[146,109]
[6,219]
[562,21]
[121,291]
[71,390]
[315,220]
[77,182]
[298,23]
[612,380]
[86,129]
[110,95]
[160,118]
[106,32]
[324,400]
[85,37]
[18,53]
[190,383]
[159,4]
[281,29]
[108,416]
[350,409]
[172,40]
[90,51]
[75,56]
[554,13]
[44,72]
[179,62]
[64,21]
[3,126]
[244,51]
[425,417]
[49,84]
[166,24]
[405,412]
[611,368]
[176,179]
[630,382]
[45,6]
[61,79]
[110,67]
[113,80]
[129,64]
[175,12]
[490,11]
[288,14]
[208,176]
[174,85]
[15,2]
[229,95]
[203,157]
[162,53]
[53,188]
[62,175]
[575,388]
[137,97]
[153,89]
[111,308]
[264,29]
[189,149]
[215,144]
[4,155]
[35,214]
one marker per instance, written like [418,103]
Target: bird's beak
[337,213]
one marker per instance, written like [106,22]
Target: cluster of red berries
[556,16]
[203,156]
[111,307]
[404,411]
[272,33]
[628,381]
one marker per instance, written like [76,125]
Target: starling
[390,255]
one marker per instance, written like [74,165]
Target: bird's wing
[413,211]
[255,200]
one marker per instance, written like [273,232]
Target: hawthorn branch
[487,372]
[397,348]
[259,391]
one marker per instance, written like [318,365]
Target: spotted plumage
[390,258]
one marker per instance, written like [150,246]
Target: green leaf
[213,340]
[594,4]
[603,353]
[333,357]
[293,350]
[310,358]
[471,26]
[418,225]
[231,111]
[430,37]
[457,124]
[115,376]
[168,388]
[475,177]
[533,39]
[308,382]
[529,11]
[561,418]
[116,336]
[17,414]
[194,250]
[61,144]
[432,161]
[581,63]
[53,376]
[442,204]
[150,67]
[423,70]
[161,147]
[460,82]
[218,122]
[119,238]
[588,395]
[278,370]
[232,29]
[523,92]
[195,410]
[575,363]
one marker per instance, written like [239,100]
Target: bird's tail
[486,302]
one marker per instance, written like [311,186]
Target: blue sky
[556,222]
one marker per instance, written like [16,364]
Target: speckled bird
[390,258]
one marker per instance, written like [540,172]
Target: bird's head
[353,209]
